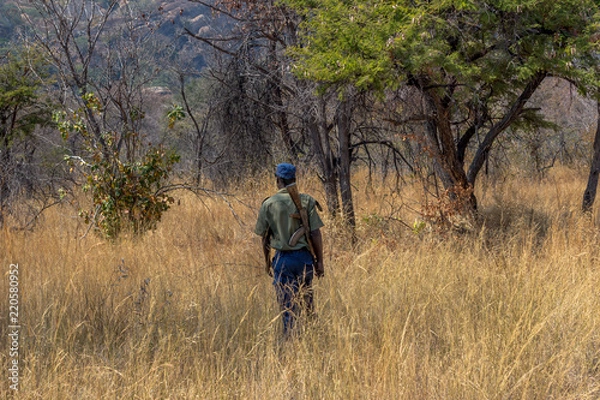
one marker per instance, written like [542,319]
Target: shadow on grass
[510,222]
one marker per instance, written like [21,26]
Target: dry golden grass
[510,311]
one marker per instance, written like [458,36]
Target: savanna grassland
[510,310]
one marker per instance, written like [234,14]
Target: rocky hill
[170,16]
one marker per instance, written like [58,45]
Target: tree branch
[500,126]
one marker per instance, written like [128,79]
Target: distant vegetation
[9,22]
[437,94]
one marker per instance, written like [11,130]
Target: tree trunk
[200,131]
[343,122]
[512,114]
[590,191]
[281,115]
[446,161]
[5,166]
[449,155]
[322,151]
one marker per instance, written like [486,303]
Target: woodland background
[138,138]
[131,100]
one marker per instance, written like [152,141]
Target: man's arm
[263,229]
[317,242]
[266,245]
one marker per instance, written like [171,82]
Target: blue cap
[285,171]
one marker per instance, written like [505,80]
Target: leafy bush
[126,195]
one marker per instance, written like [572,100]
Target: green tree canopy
[21,107]
[474,64]
[378,44]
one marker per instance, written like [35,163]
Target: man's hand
[317,240]
[269,269]
[319,269]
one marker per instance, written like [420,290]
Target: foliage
[448,211]
[380,44]
[175,114]
[125,194]
[102,55]
[474,64]
[21,107]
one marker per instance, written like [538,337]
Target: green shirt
[274,214]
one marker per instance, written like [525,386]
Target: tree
[271,112]
[474,65]
[22,109]
[102,52]
[589,194]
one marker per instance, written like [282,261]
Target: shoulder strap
[295,195]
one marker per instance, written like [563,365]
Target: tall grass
[509,311]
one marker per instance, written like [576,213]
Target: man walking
[293,267]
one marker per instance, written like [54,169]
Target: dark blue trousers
[293,276]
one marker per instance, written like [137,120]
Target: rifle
[305,228]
